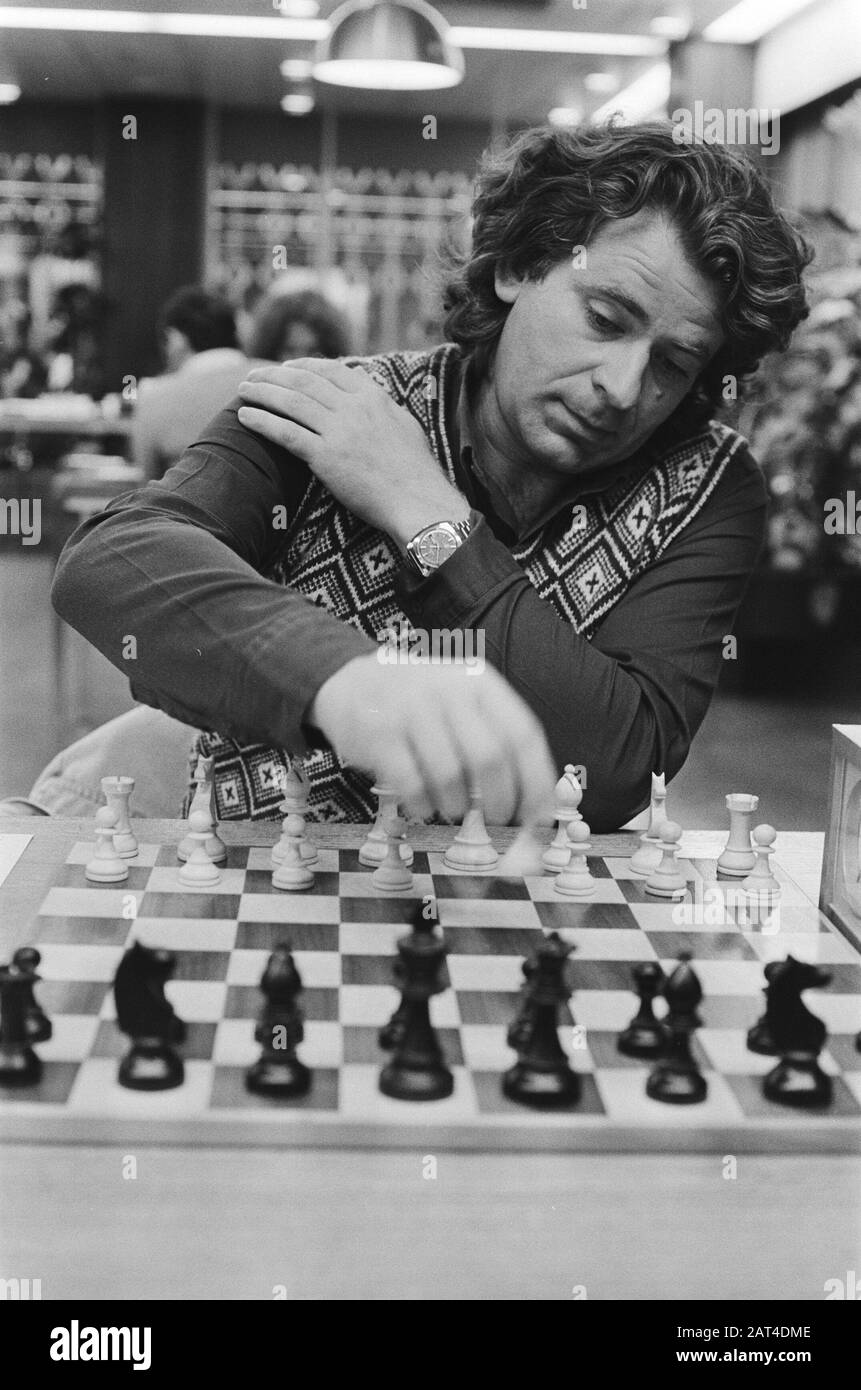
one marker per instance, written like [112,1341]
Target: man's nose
[619,378]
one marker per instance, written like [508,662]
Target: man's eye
[600,321]
[673,368]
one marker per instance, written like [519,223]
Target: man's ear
[507,286]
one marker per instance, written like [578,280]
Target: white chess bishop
[569,794]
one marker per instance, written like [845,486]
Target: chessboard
[343,935]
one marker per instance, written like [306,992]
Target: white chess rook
[117,793]
[106,866]
[738,858]
[471,849]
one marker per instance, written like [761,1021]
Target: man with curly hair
[550,478]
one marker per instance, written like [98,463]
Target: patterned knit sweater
[582,567]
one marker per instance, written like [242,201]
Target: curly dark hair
[276,314]
[553,189]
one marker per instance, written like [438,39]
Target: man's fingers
[487,766]
[290,436]
[297,378]
[284,401]
[441,764]
[345,378]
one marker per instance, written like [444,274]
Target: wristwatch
[431,546]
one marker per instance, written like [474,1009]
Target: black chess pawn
[146,1016]
[799,1036]
[417,1070]
[278,1072]
[424,919]
[645,1035]
[676,1078]
[542,1076]
[19,1065]
[26,961]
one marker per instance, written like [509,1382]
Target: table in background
[219,1223]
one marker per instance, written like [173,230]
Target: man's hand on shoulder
[366,449]
[433,733]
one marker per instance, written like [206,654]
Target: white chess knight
[117,793]
[199,870]
[393,875]
[760,882]
[203,803]
[472,849]
[569,794]
[373,851]
[106,866]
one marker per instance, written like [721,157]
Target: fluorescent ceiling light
[601,83]
[251,27]
[558,41]
[9,92]
[750,19]
[387,75]
[297,103]
[297,69]
[646,95]
[296,9]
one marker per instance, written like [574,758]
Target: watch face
[436,546]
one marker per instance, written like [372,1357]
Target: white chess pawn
[761,882]
[738,859]
[393,875]
[569,794]
[666,881]
[106,866]
[471,849]
[575,881]
[291,872]
[373,851]
[117,792]
[199,871]
[307,851]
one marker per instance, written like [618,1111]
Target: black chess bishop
[280,1029]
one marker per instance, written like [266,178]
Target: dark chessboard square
[361,1045]
[72,996]
[198,1045]
[246,1001]
[374,970]
[201,965]
[731,1010]
[703,945]
[237,856]
[597,866]
[83,931]
[633,890]
[301,936]
[73,876]
[606,916]
[491,1101]
[379,909]
[748,1092]
[603,1048]
[844,1050]
[260,881]
[53,1088]
[600,974]
[480,886]
[197,904]
[229,1092]
[497,1006]
[349,862]
[492,941]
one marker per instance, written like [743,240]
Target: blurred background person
[298,325]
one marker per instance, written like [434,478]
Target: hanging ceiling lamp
[391,45]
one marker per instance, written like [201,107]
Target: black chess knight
[278,1072]
[146,1016]
[796,1035]
[542,1076]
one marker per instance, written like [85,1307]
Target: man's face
[595,357]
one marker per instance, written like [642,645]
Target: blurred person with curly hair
[551,480]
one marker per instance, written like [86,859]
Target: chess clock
[840,896]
